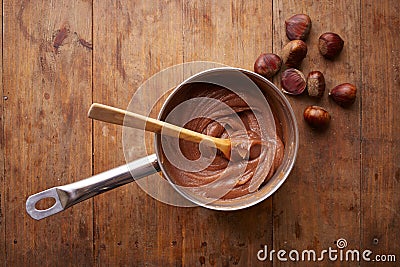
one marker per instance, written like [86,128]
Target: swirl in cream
[216,111]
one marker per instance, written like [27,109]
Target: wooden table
[60,56]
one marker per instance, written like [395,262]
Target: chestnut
[298,27]
[315,84]
[267,65]
[317,117]
[344,94]
[330,45]
[293,53]
[293,81]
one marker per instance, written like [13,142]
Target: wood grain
[380,170]
[233,33]
[139,39]
[2,180]
[60,56]
[47,78]
[320,202]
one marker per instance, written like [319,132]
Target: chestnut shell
[293,53]
[293,81]
[267,65]
[317,117]
[298,27]
[315,84]
[330,45]
[344,94]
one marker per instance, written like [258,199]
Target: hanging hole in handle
[45,203]
[36,212]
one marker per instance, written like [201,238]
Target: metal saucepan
[68,195]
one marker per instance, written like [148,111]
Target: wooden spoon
[122,117]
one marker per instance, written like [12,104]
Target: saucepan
[277,121]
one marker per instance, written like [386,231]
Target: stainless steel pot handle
[71,194]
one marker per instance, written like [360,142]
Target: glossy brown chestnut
[317,117]
[344,94]
[267,65]
[293,81]
[315,84]
[293,53]
[330,45]
[298,27]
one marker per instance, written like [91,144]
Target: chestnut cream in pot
[239,113]
[202,123]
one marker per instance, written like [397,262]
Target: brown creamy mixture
[242,176]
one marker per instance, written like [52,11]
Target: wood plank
[133,40]
[47,79]
[320,201]
[233,33]
[2,180]
[380,170]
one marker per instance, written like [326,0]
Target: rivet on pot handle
[71,194]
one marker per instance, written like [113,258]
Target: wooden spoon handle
[122,117]
[117,116]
